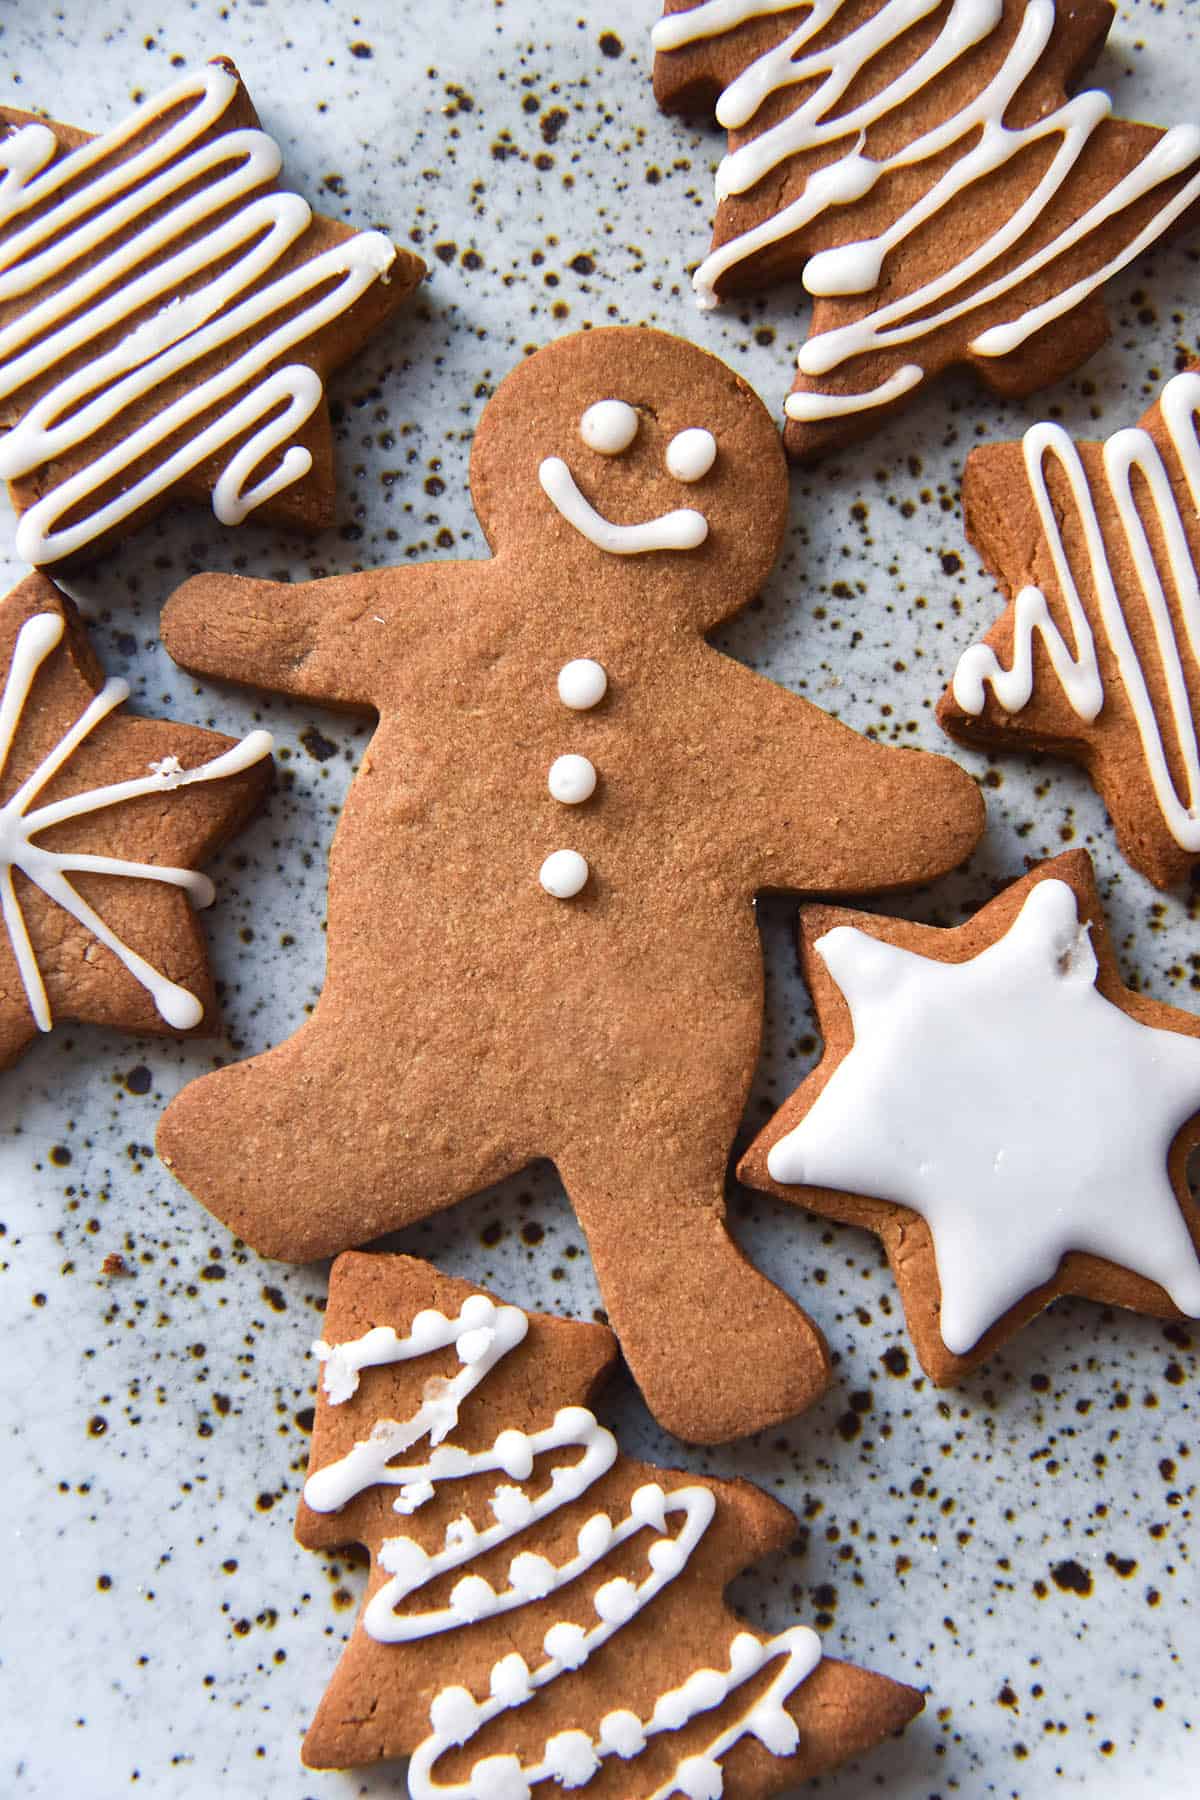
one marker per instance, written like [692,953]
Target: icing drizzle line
[484,1333]
[49,869]
[855,268]
[1077,668]
[79,228]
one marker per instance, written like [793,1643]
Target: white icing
[130,212]
[570,1757]
[609,426]
[572,779]
[820,119]
[683,529]
[564,874]
[691,454]
[582,684]
[1076,666]
[48,870]
[1011,1105]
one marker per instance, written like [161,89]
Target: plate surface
[1022,1548]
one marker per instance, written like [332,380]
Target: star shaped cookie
[103,821]
[544,1612]
[1098,656]
[168,316]
[1010,1118]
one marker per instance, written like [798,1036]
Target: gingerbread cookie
[542,1609]
[541,927]
[1010,1118]
[103,819]
[168,317]
[918,165]
[1098,656]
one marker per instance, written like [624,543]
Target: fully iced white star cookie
[1018,1099]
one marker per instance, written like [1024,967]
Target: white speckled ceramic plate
[1021,1548]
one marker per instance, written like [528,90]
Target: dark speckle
[317,744]
[97,1425]
[274,1299]
[895,1360]
[1071,1578]
[60,1156]
[363,51]
[532,1232]
[951,563]
[138,1080]
[552,123]
[610,44]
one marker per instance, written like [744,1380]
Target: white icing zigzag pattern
[49,869]
[855,268]
[76,231]
[1076,667]
[483,1334]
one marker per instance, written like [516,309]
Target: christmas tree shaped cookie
[1010,1118]
[543,1612]
[919,166]
[1098,656]
[103,820]
[168,316]
[541,930]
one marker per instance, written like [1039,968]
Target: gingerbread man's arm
[339,640]
[845,815]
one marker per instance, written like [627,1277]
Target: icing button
[582,684]
[572,779]
[563,874]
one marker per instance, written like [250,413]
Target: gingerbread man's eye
[609,426]
[691,454]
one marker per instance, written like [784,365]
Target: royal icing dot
[691,454]
[572,779]
[563,874]
[582,684]
[609,426]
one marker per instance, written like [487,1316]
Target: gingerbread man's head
[626,451]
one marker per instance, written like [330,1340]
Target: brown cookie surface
[103,820]
[1097,657]
[923,172]
[479,1009]
[169,317]
[539,1605]
[994,1102]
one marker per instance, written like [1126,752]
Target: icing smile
[684,529]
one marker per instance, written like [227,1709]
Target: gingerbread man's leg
[254,1142]
[717,1350]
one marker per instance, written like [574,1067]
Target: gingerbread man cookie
[103,819]
[1011,1119]
[541,930]
[1098,655]
[919,166]
[542,1609]
[168,317]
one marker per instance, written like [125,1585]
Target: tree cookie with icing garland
[541,930]
[103,821]
[168,317]
[542,1609]
[1098,655]
[918,165]
[992,1100]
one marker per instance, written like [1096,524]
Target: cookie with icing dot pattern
[542,1609]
